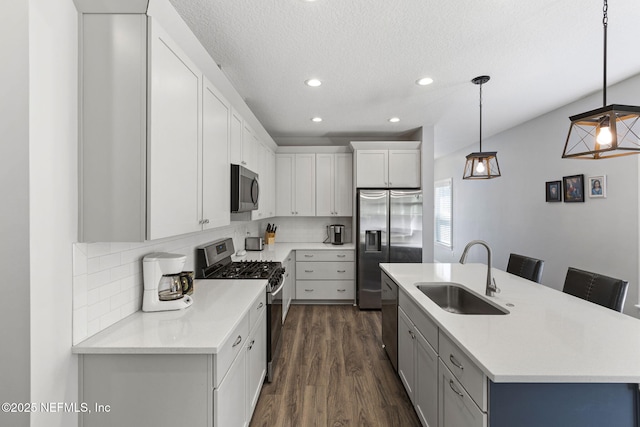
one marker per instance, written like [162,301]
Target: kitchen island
[553,360]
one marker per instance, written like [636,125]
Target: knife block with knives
[270,234]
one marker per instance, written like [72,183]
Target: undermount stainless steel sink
[455,298]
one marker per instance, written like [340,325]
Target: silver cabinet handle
[308,271]
[251,344]
[292,213]
[342,290]
[201,222]
[455,362]
[238,341]
[455,390]
[308,290]
[308,256]
[260,306]
[342,271]
[341,256]
[206,221]
[413,336]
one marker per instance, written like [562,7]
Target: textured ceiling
[368,53]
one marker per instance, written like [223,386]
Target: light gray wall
[14,209]
[511,214]
[53,192]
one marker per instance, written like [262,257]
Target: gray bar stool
[605,291]
[527,267]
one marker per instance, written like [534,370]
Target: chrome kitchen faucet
[492,288]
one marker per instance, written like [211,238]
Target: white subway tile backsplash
[95,280]
[98,309]
[108,285]
[109,261]
[98,249]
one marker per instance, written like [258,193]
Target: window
[443,193]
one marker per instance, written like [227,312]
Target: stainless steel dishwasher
[390,319]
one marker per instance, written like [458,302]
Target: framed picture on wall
[554,191]
[573,187]
[598,186]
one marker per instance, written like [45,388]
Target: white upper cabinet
[155,135]
[404,168]
[235,143]
[296,184]
[388,168]
[266,179]
[175,85]
[372,168]
[216,169]
[334,184]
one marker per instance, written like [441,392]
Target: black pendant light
[610,131]
[482,164]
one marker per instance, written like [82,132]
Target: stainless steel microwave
[245,189]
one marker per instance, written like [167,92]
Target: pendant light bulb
[480,167]
[604,137]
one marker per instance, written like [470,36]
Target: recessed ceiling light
[316,119]
[424,81]
[394,119]
[313,82]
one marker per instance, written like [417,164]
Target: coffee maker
[162,282]
[336,234]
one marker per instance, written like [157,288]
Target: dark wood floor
[332,371]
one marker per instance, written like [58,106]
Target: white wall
[53,127]
[14,209]
[510,213]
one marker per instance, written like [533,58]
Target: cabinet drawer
[230,349]
[419,318]
[456,407]
[255,313]
[467,372]
[325,289]
[325,270]
[326,255]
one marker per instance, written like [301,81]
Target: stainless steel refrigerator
[389,229]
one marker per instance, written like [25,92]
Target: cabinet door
[404,168]
[215,160]
[343,196]
[261,170]
[271,177]
[456,408]
[248,148]
[325,184]
[426,382]
[284,184]
[235,146]
[371,168]
[230,398]
[256,363]
[305,185]
[174,140]
[406,358]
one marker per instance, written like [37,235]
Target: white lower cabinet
[256,350]
[289,290]
[229,399]
[456,408]
[418,370]
[325,275]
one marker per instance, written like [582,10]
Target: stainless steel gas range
[214,262]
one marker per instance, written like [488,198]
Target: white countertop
[204,327]
[548,336]
[279,251]
[218,306]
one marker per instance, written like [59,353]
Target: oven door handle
[271,294]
